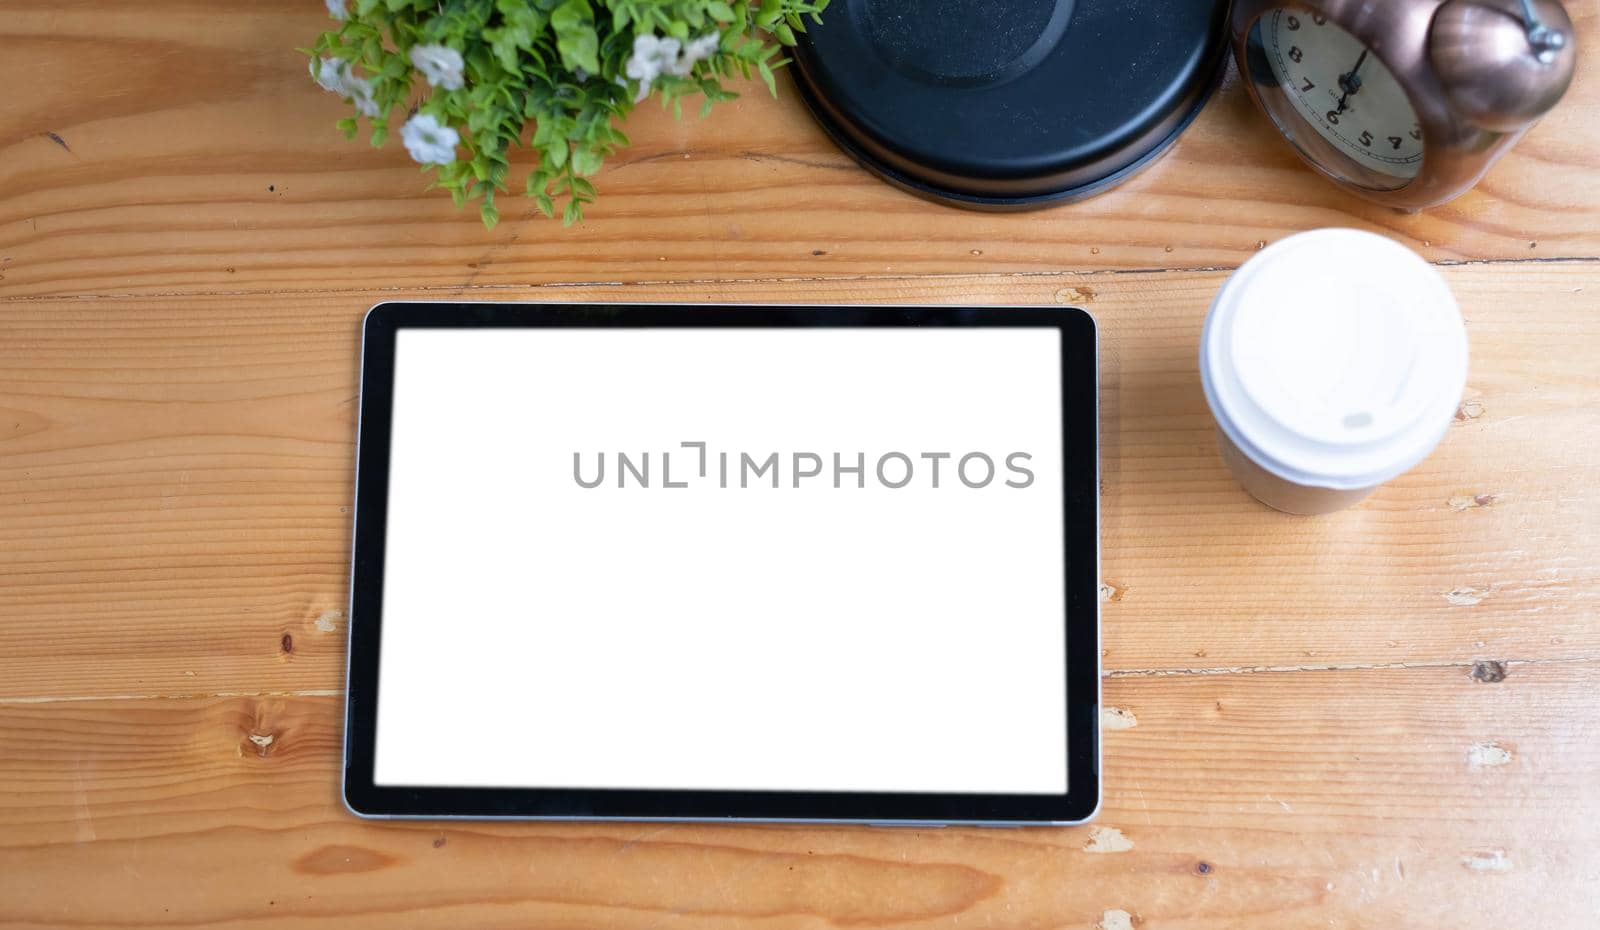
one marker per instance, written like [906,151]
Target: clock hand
[1350,82]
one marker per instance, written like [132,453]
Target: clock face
[1332,84]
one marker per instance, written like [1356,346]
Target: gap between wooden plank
[1330,667]
[790,279]
[1503,665]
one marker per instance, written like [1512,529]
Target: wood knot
[1106,840]
[1489,672]
[1488,755]
[286,644]
[336,860]
[1117,718]
[1473,501]
[1486,859]
[261,736]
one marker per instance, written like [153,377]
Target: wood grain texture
[174,146]
[1386,718]
[177,477]
[1370,799]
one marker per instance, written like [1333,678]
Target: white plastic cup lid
[1334,358]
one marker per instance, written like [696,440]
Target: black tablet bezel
[1080,458]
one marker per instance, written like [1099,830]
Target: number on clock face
[1343,91]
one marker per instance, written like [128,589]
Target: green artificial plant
[468,80]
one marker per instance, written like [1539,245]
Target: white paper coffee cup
[1333,361]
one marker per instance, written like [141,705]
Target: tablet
[725,563]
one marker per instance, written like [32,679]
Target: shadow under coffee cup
[1333,361]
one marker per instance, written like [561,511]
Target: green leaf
[523,24]
[544,74]
[489,214]
[394,68]
[573,22]
[585,161]
[523,14]
[505,44]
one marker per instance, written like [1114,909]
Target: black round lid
[1010,104]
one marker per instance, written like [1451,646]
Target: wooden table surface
[1385,718]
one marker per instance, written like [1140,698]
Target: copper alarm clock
[1405,102]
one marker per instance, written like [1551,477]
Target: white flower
[359,90]
[702,48]
[644,65]
[331,74]
[334,75]
[644,89]
[679,66]
[440,64]
[336,9]
[653,57]
[429,141]
[661,53]
[641,67]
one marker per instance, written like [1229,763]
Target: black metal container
[1014,104]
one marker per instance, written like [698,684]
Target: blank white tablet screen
[696,627]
